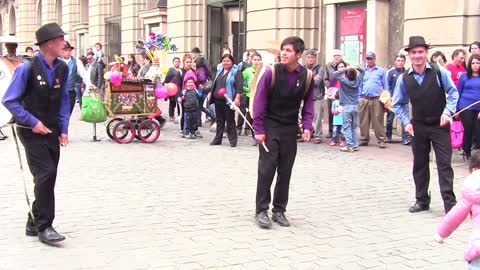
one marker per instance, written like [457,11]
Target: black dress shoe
[215,143]
[418,208]
[233,144]
[280,218]
[50,236]
[263,220]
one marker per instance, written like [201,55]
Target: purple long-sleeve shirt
[12,99]
[261,100]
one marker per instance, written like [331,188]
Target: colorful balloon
[160,92]
[222,91]
[116,78]
[171,89]
[106,76]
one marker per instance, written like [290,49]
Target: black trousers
[172,103]
[439,137]
[73,96]
[243,109]
[469,122]
[282,144]
[43,154]
[330,116]
[225,114]
[191,121]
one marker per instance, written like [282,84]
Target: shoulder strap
[309,80]
[272,83]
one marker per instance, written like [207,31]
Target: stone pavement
[183,204]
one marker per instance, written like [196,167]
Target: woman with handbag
[230,79]
[469,92]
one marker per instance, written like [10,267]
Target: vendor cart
[132,106]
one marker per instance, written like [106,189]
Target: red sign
[352,26]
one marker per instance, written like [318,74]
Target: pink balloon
[171,89]
[222,91]
[160,93]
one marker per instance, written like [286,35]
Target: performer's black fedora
[416,41]
[47,32]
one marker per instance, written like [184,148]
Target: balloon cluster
[168,90]
[115,77]
[156,43]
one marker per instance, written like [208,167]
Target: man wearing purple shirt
[276,124]
[39,101]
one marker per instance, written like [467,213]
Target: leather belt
[370,98]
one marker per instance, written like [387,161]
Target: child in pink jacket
[470,204]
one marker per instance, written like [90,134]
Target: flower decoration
[157,45]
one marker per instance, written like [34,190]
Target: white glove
[438,238]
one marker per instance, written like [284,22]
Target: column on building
[186,24]
[131,26]
[269,22]
[98,11]
[69,19]
[26,26]
[48,11]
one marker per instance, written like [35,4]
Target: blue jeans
[349,127]
[473,265]
[337,133]
[389,127]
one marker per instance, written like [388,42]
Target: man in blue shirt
[425,86]
[39,101]
[370,109]
[392,76]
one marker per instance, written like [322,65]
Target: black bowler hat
[415,41]
[47,32]
[68,46]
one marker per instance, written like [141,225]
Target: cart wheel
[137,121]
[123,132]
[148,131]
[111,124]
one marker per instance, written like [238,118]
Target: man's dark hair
[28,48]
[475,161]
[469,65]
[457,52]
[296,42]
[176,58]
[196,50]
[351,74]
[401,56]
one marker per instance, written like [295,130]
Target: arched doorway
[58,11]
[12,22]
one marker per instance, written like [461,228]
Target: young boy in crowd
[349,83]
[190,98]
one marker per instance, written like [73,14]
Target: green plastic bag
[93,109]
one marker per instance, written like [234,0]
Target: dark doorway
[214,35]
[238,44]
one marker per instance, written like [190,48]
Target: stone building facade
[382,26]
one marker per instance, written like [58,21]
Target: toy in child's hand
[339,109]
[438,238]
[331,92]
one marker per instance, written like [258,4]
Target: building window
[155,28]
[81,44]
[84,11]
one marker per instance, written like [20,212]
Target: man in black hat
[38,99]
[76,75]
[425,85]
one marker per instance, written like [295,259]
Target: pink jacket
[469,204]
